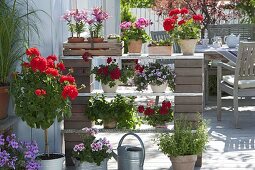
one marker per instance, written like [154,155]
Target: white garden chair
[242,82]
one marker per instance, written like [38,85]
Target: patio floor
[228,148]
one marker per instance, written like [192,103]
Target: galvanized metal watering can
[130,157]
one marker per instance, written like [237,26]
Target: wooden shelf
[8,122]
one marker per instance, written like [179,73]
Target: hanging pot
[54,161]
[183,162]
[95,40]
[110,124]
[76,40]
[160,50]
[107,89]
[90,166]
[188,46]
[159,88]
[4,98]
[135,46]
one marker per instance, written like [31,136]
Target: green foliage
[13,35]
[167,42]
[247,7]
[126,15]
[135,34]
[138,3]
[184,140]
[188,30]
[120,109]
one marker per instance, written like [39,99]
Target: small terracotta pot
[188,46]
[135,46]
[110,125]
[76,40]
[95,40]
[160,50]
[4,98]
[183,162]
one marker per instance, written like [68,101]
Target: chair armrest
[226,66]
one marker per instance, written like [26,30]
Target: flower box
[95,49]
[160,50]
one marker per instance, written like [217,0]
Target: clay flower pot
[135,46]
[160,50]
[76,40]
[110,124]
[188,46]
[95,40]
[4,98]
[183,162]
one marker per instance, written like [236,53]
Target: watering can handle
[141,143]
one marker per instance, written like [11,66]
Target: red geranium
[140,109]
[52,57]
[198,17]
[38,63]
[149,111]
[61,66]
[168,24]
[32,52]
[86,56]
[109,60]
[174,12]
[105,70]
[115,74]
[184,11]
[70,91]
[163,110]
[50,63]
[181,22]
[67,78]
[139,68]
[40,92]
[52,71]
[166,104]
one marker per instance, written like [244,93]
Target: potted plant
[162,47]
[95,22]
[157,116]
[183,146]
[134,34]
[42,94]
[156,75]
[111,75]
[118,113]
[76,20]
[185,27]
[92,153]
[16,154]
[113,38]
[13,36]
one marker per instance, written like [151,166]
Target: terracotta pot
[183,162]
[188,46]
[107,89]
[159,89]
[135,46]
[96,40]
[76,40]
[110,125]
[4,98]
[160,50]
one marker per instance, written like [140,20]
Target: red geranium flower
[100,70]
[70,91]
[61,66]
[67,78]
[105,70]
[168,24]
[115,74]
[139,68]
[38,63]
[175,17]
[52,71]
[163,110]
[43,92]
[140,109]
[50,63]
[166,104]
[86,56]
[198,17]
[109,60]
[40,92]
[174,12]
[52,57]
[32,52]
[184,11]
[181,22]
[149,111]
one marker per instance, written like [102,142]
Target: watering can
[130,157]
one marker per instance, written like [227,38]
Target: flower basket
[160,50]
[188,46]
[159,88]
[90,166]
[135,46]
[110,124]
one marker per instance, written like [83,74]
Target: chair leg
[219,73]
[236,111]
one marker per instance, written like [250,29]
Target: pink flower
[99,14]
[125,25]
[141,23]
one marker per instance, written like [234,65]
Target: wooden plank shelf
[96,49]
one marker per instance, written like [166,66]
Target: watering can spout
[115,156]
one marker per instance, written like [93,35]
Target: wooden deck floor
[228,148]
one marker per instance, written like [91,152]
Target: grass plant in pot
[76,20]
[13,37]
[157,116]
[42,94]
[185,27]
[162,47]
[134,34]
[111,75]
[183,146]
[156,75]
[92,153]
[119,112]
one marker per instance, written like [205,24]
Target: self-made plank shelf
[95,49]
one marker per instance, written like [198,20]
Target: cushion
[242,84]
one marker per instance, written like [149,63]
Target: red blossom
[174,12]
[184,11]
[61,66]
[52,71]
[43,92]
[38,63]
[25,64]
[86,56]
[175,17]
[52,57]
[105,70]
[50,63]
[163,110]
[166,104]
[181,22]
[149,111]
[139,68]
[100,70]
[168,24]
[40,92]
[32,52]
[67,78]
[140,109]
[198,17]
[115,74]
[70,91]
[109,60]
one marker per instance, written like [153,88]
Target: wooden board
[189,80]
[96,49]
[188,63]
[188,100]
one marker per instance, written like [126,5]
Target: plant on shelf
[16,154]
[157,116]
[185,27]
[120,112]
[110,75]
[155,74]
[13,39]
[95,22]
[134,34]
[42,94]
[76,20]
[161,47]
[92,153]
[113,38]
[184,144]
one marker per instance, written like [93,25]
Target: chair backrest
[246,31]
[245,62]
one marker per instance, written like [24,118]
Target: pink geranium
[125,25]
